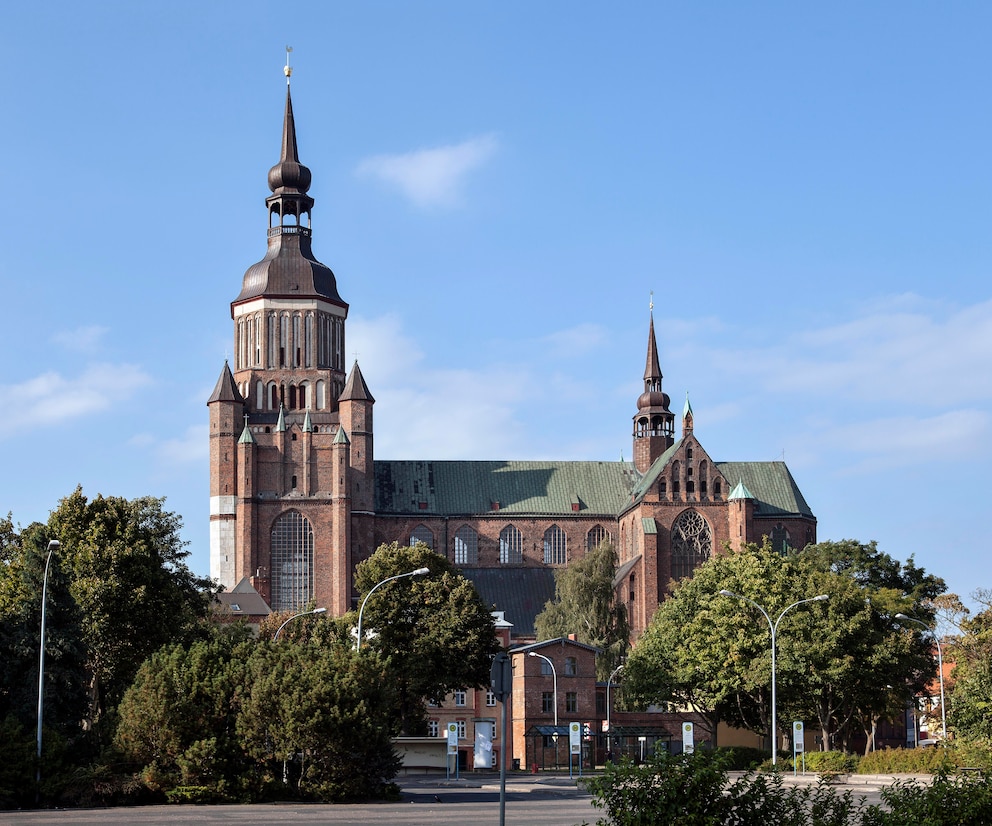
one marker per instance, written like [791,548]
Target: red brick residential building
[298,497]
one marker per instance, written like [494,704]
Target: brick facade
[298,498]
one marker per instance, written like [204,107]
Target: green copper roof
[469,487]
[771,485]
[341,438]
[281,423]
[246,437]
[740,491]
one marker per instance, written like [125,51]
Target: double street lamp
[940,667]
[773,627]
[417,572]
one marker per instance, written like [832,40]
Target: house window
[547,702]
[571,668]
[571,702]
[554,546]
[510,546]
[423,535]
[490,698]
[466,546]
[546,670]
[460,697]
[461,729]
[433,729]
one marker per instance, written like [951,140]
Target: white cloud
[914,358]
[432,177]
[576,341]
[82,339]
[900,441]
[189,448]
[52,398]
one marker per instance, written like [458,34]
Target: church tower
[280,497]
[654,423]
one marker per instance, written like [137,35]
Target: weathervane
[651,303]
[287,69]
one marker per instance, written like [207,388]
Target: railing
[289,229]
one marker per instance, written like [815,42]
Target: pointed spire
[281,423]
[740,491]
[652,369]
[307,424]
[686,416]
[246,437]
[225,390]
[355,389]
[341,438]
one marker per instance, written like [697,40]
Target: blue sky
[499,187]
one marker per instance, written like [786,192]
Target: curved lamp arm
[418,572]
[296,616]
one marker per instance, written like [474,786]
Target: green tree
[128,576]
[21,586]
[317,719]
[434,629]
[836,659]
[177,720]
[585,605]
[970,711]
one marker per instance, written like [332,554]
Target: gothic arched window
[466,546]
[597,534]
[291,552]
[511,545]
[423,535]
[554,546]
[692,542]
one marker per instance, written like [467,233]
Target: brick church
[298,498]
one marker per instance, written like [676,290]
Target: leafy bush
[948,801]
[193,794]
[907,761]
[976,753]
[741,758]
[694,790]
[829,762]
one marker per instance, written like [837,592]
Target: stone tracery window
[692,543]
[597,534]
[423,535]
[466,546]
[292,562]
[554,546]
[511,546]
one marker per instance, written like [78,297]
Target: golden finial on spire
[287,69]
[651,302]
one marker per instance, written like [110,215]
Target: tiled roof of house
[484,487]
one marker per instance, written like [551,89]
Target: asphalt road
[428,802]
[541,800]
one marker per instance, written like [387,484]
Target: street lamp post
[773,627]
[418,572]
[940,667]
[554,675]
[53,546]
[609,725]
[296,616]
